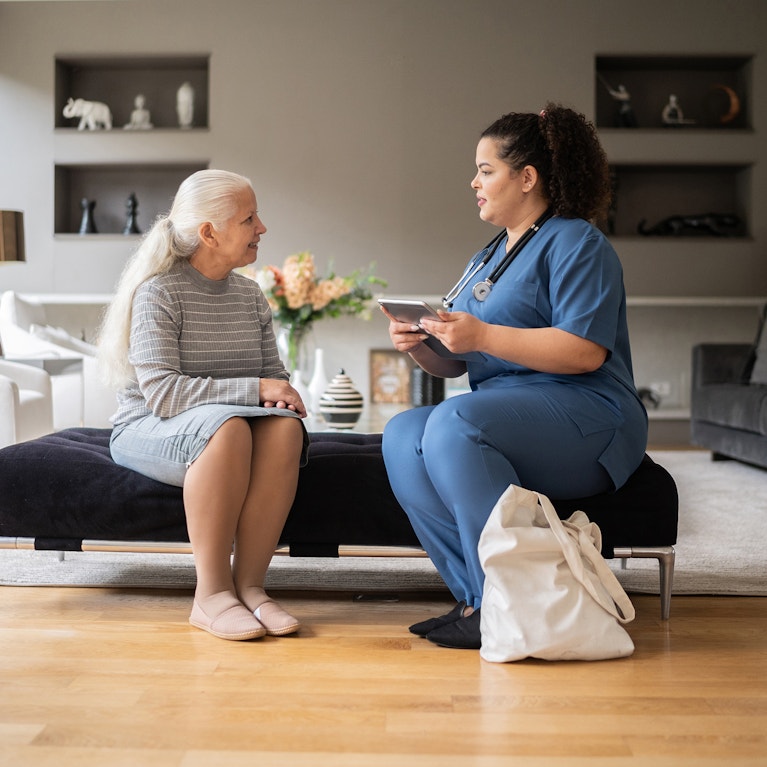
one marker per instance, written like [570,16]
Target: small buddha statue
[140,118]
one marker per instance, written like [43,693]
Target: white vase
[319,381]
[185,105]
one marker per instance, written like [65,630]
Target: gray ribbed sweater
[196,341]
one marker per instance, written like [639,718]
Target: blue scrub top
[568,276]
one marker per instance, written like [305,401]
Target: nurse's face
[499,188]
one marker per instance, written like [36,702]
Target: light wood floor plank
[118,677]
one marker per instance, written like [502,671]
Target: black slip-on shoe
[462,634]
[424,627]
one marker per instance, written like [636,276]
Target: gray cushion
[759,370]
[737,406]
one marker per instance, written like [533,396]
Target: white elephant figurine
[92,114]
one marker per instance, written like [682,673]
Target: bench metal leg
[665,556]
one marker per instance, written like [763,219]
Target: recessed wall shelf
[681,200]
[117,80]
[106,167]
[664,173]
[110,186]
[712,91]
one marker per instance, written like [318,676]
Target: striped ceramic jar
[341,404]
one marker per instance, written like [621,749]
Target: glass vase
[296,347]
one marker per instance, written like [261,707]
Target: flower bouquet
[299,298]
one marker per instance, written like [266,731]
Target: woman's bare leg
[240,490]
[276,450]
[215,487]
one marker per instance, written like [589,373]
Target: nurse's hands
[408,338]
[405,336]
[275,392]
[458,331]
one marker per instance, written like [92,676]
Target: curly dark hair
[564,148]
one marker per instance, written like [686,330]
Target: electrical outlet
[661,388]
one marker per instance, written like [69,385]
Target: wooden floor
[118,677]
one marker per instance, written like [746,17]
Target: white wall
[356,119]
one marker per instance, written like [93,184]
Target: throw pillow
[60,337]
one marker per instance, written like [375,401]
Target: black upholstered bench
[63,492]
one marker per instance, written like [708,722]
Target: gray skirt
[164,448]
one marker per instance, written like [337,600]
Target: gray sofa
[729,399]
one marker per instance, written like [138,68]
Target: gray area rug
[118,570]
[722,533]
[720,549]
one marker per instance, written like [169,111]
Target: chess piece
[88,223]
[131,204]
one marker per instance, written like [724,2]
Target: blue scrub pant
[449,464]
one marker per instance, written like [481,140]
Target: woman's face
[238,241]
[499,189]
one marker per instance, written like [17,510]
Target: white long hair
[206,196]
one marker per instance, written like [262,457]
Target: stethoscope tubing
[472,270]
[482,289]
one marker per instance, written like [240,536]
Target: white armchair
[79,397]
[26,404]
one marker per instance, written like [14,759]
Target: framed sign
[390,372]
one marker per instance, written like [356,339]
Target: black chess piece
[88,223]
[131,204]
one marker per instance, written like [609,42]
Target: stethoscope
[482,289]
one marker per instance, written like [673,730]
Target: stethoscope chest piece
[482,290]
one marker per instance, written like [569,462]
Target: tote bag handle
[619,606]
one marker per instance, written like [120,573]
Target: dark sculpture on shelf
[624,117]
[709,224]
[131,204]
[88,223]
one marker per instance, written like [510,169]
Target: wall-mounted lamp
[11,236]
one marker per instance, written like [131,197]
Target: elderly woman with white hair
[204,401]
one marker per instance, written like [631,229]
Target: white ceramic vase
[318,382]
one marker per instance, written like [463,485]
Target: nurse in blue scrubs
[538,320]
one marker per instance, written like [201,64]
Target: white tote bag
[548,591]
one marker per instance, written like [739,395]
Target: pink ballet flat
[275,620]
[236,623]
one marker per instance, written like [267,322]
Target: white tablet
[413,310]
[408,310]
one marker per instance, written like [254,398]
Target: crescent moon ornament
[733,107]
